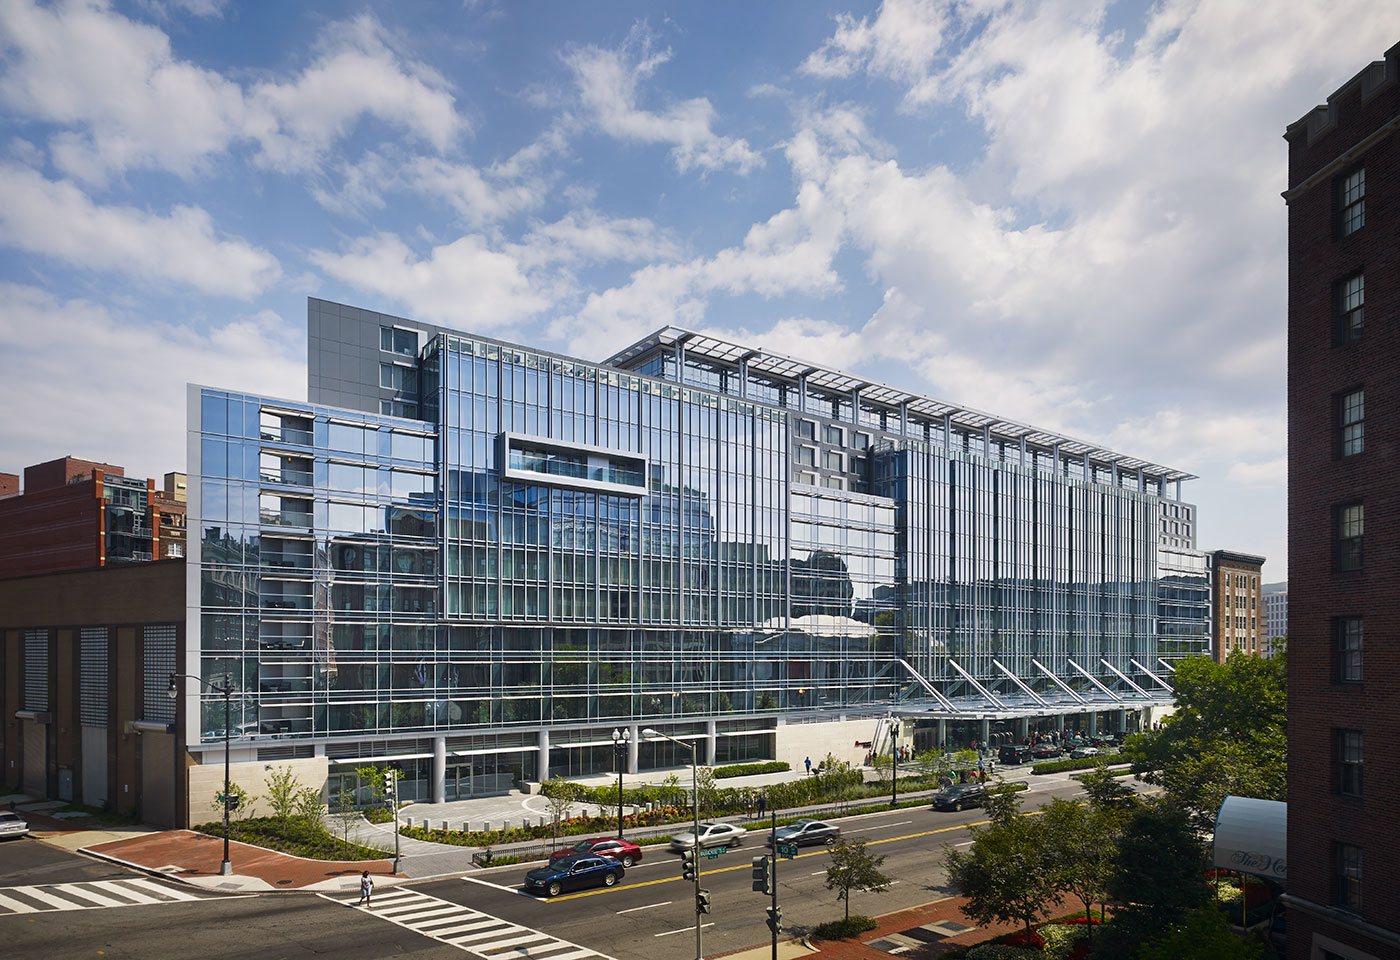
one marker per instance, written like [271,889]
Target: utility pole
[894,761]
[773,909]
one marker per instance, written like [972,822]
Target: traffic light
[388,782]
[775,918]
[762,875]
[231,801]
[688,864]
[702,901]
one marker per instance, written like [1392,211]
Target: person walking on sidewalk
[366,888]
[808,761]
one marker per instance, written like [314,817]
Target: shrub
[1059,766]
[845,927]
[749,769]
[1060,938]
[999,951]
[295,837]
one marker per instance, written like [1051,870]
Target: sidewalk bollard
[486,826]
[444,826]
[408,821]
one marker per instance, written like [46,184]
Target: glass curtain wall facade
[554,548]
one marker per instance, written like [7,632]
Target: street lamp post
[894,759]
[173,691]
[695,814]
[621,738]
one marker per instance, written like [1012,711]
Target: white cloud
[124,100]
[463,284]
[101,367]
[607,82]
[900,43]
[57,219]
[585,236]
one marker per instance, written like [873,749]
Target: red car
[622,851]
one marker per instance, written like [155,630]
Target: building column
[986,733]
[632,746]
[1122,722]
[711,742]
[942,733]
[1023,727]
[1059,723]
[1093,723]
[542,767]
[439,769]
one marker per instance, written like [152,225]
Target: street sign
[713,852]
[787,850]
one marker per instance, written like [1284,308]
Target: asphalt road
[649,916]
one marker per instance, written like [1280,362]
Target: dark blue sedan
[573,873]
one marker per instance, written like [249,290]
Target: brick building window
[1351,308]
[1349,762]
[1351,202]
[1348,865]
[1351,423]
[1350,526]
[1348,644]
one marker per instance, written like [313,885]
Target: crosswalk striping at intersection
[470,930]
[87,895]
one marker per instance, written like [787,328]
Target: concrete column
[1059,723]
[632,748]
[942,733]
[986,733]
[711,742]
[1093,723]
[439,769]
[1122,722]
[1023,727]
[542,771]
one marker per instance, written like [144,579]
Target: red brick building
[75,514]
[1237,618]
[1344,520]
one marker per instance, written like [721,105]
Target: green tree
[837,779]
[282,786]
[1107,792]
[1081,845]
[1005,874]
[853,868]
[309,809]
[1202,934]
[1227,736]
[560,795]
[933,763]
[344,815]
[708,793]
[1158,877]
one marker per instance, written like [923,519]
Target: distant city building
[1236,610]
[1275,613]
[1343,515]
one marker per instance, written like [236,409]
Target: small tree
[1107,792]
[1081,843]
[243,802]
[1005,874]
[706,791]
[309,809]
[560,794]
[344,815]
[282,789]
[933,763]
[884,767]
[854,868]
[837,780]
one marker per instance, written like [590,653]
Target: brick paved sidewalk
[255,868]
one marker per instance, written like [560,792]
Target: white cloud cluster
[124,100]
[607,84]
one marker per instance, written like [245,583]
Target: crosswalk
[470,930]
[89,895]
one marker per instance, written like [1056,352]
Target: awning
[1251,836]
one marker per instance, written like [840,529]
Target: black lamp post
[621,739]
[894,760]
[225,868]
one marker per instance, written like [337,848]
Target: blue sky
[1066,213]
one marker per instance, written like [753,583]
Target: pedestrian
[762,805]
[366,888]
[808,762]
[991,767]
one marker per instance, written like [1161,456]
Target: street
[648,916]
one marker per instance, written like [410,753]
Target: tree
[282,787]
[1202,935]
[243,802]
[836,780]
[1107,792]
[1005,873]
[1081,843]
[854,868]
[706,792]
[933,763]
[1159,875]
[344,815]
[560,794]
[309,808]
[1227,736]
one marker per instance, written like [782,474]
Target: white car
[1079,753]
[12,825]
[711,835]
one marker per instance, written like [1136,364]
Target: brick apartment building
[75,514]
[1237,618]
[1344,520]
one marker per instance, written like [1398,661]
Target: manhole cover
[284,883]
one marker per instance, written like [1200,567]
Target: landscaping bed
[297,839]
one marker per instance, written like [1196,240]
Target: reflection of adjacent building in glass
[706,538]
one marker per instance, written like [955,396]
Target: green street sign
[787,850]
[713,852]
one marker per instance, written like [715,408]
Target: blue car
[573,873]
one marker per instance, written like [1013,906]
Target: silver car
[711,835]
[801,833]
[12,825]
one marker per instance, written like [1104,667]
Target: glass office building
[480,559]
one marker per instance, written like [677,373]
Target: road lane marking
[663,903]
[682,930]
[883,826]
[496,886]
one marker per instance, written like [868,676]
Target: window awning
[1251,836]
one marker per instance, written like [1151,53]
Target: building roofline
[775,364]
[1238,557]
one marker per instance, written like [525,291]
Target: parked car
[804,832]
[960,796]
[1079,753]
[623,851]
[711,835]
[573,873]
[1014,753]
[12,825]
[1046,751]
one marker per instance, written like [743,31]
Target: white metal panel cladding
[159,644]
[92,676]
[36,670]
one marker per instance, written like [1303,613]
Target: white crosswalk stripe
[89,895]
[470,930]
